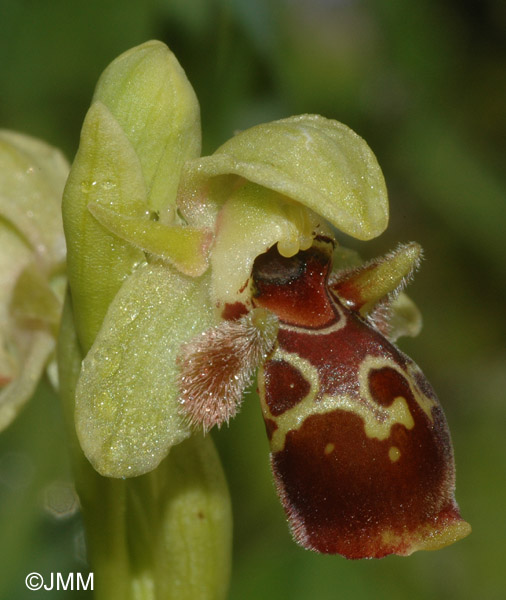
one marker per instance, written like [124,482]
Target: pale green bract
[127,415]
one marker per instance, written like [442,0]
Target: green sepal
[148,94]
[182,246]
[318,162]
[106,170]
[127,411]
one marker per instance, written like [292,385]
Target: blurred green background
[424,82]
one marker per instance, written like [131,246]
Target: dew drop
[88,186]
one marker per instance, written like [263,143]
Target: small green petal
[105,170]
[318,162]
[373,284]
[127,411]
[149,95]
[374,281]
[406,319]
[183,247]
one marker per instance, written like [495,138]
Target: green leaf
[127,411]
[150,97]
[318,162]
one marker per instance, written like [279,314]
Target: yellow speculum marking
[396,413]
[378,420]
[394,453]
[329,448]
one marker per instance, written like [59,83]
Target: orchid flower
[189,275]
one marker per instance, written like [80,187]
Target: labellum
[360,448]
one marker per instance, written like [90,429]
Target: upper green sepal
[318,162]
[127,412]
[148,93]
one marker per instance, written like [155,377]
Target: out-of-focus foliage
[425,84]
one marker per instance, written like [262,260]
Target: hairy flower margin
[188,273]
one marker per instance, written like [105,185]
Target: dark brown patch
[386,385]
[285,386]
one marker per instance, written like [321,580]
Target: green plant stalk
[162,536]
[102,500]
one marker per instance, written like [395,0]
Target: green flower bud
[32,254]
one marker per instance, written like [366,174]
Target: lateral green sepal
[127,411]
[106,170]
